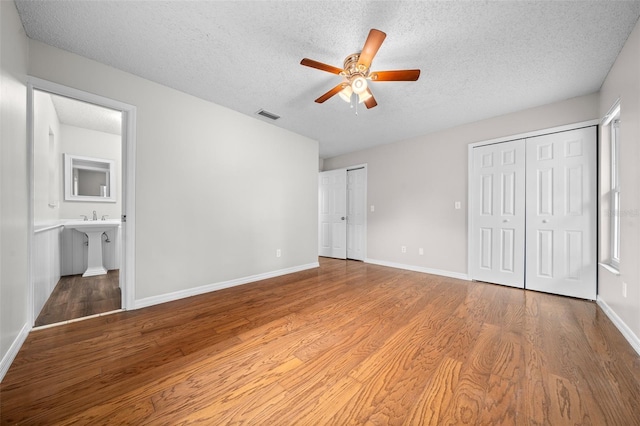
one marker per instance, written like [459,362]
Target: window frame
[612,120]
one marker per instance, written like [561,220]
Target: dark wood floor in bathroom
[77,297]
[346,343]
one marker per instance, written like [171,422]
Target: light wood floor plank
[346,343]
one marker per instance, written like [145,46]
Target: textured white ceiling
[86,115]
[478,59]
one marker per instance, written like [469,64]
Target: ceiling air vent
[268,114]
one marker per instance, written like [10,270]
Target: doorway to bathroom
[81,196]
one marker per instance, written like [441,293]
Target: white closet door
[561,213]
[498,213]
[357,210]
[332,223]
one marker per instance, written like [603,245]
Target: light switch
[457,205]
[373,208]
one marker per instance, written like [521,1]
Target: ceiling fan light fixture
[364,96]
[359,85]
[345,93]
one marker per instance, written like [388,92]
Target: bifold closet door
[498,213]
[561,213]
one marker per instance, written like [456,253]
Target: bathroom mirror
[89,179]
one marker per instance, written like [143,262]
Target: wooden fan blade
[320,66]
[371,46]
[330,93]
[399,75]
[371,102]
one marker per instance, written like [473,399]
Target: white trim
[613,111]
[424,270]
[48,228]
[127,279]
[10,355]
[31,314]
[58,324]
[128,231]
[535,133]
[176,295]
[620,325]
[610,268]
[59,89]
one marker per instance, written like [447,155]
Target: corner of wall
[14,203]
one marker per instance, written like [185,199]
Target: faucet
[84,216]
[104,216]
[95,216]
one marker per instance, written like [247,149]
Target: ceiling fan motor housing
[355,75]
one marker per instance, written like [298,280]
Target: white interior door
[356,214]
[498,213]
[332,220]
[561,213]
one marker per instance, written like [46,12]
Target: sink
[94,230]
[92,225]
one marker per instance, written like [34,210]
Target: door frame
[526,135]
[128,136]
[366,191]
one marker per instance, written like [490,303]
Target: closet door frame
[470,183]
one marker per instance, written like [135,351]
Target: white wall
[91,143]
[217,192]
[414,184]
[623,82]
[45,121]
[13,184]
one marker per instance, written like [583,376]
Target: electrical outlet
[421,251]
[403,249]
[624,289]
[278,252]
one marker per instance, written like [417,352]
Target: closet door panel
[561,213]
[497,213]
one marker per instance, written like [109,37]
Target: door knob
[545,221]
[342,218]
[505,220]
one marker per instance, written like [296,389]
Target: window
[612,121]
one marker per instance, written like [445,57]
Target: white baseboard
[169,297]
[440,272]
[633,340]
[8,358]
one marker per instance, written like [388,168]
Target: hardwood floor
[347,343]
[77,297]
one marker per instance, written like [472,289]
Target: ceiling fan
[356,72]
